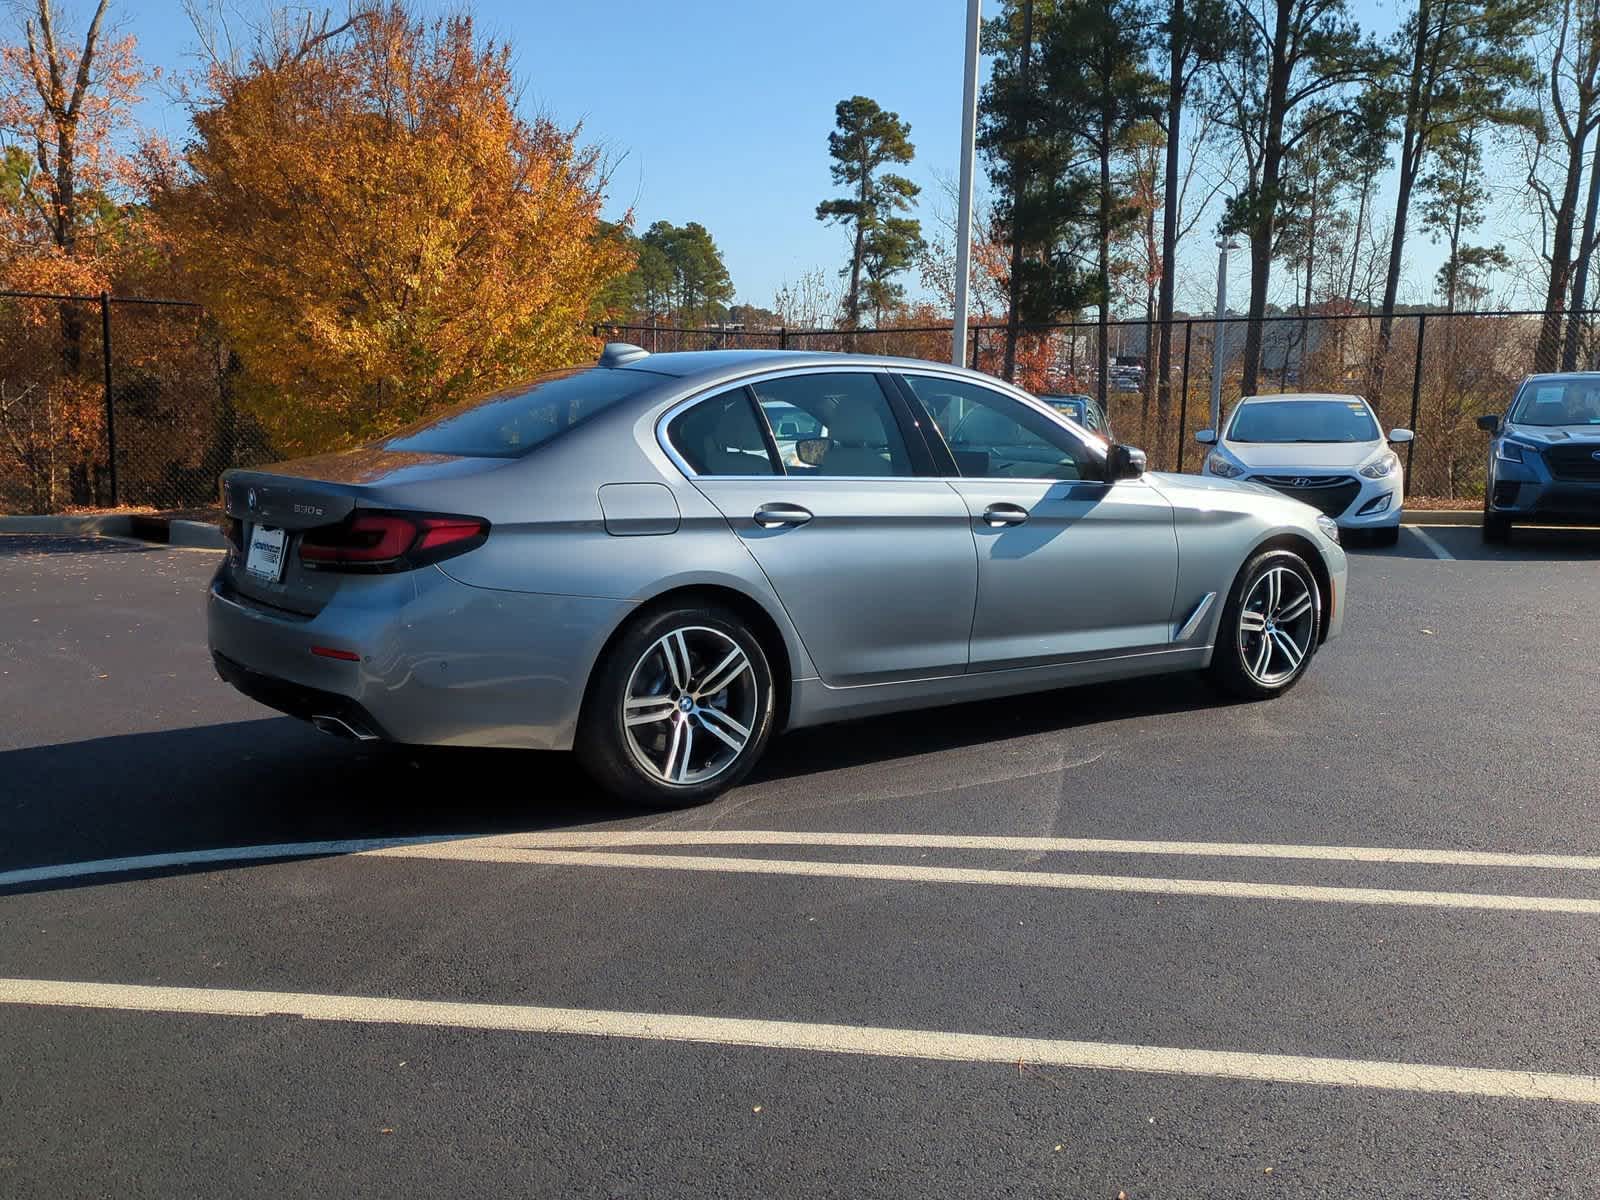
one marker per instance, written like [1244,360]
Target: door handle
[997,516]
[774,516]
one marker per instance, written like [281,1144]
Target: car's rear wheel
[1270,627]
[680,708]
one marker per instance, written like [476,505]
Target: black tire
[1229,669]
[1386,537]
[616,759]
[1496,529]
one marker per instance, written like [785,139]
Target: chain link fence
[1437,373]
[110,401]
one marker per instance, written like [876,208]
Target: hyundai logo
[1302,481]
[1595,456]
[250,499]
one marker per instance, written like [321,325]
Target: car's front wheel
[1270,627]
[679,709]
[1496,529]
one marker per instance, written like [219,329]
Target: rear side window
[834,423]
[509,423]
[720,436]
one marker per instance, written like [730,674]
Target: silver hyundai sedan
[630,561]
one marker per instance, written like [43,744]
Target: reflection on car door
[872,561]
[1068,565]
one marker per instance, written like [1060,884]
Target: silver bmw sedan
[661,561]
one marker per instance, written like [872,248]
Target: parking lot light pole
[969,137]
[1218,350]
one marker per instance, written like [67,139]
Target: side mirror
[1124,462]
[1401,436]
[1489,423]
[1206,437]
[811,451]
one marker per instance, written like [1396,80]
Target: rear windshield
[1278,421]
[510,423]
[1071,406]
[1559,402]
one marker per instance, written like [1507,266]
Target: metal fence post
[1183,404]
[977,331]
[1416,401]
[783,337]
[111,416]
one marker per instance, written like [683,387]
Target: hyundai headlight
[1329,527]
[1218,465]
[1508,451]
[1380,467]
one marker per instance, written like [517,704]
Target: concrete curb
[161,530]
[112,526]
[1454,516]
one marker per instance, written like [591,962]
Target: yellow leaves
[377,231]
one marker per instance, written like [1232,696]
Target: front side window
[721,436]
[509,423]
[837,424]
[1559,402]
[992,436]
[1279,422]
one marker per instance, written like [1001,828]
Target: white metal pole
[1219,349]
[969,137]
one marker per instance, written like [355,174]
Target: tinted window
[995,437]
[1559,402]
[1279,421]
[512,422]
[720,436]
[843,423]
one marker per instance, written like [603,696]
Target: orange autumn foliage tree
[67,226]
[375,229]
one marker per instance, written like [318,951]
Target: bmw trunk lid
[273,507]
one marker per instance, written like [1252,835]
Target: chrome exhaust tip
[339,727]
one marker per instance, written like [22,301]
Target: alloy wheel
[691,705]
[1276,624]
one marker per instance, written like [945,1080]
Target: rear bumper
[439,662]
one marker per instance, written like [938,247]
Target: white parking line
[562,839]
[475,852]
[875,1041]
[1433,544]
[565,839]
[200,858]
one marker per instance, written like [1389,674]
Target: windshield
[509,423]
[1283,421]
[1574,401]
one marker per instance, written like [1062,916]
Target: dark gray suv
[1544,455]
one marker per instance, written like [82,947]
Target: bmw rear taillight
[390,541]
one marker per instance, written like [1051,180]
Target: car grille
[1331,493]
[1576,463]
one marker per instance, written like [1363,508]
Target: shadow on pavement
[252,783]
[956,727]
[24,545]
[1529,544]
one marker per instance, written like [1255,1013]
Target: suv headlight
[1385,465]
[1329,527]
[1508,451]
[1218,465]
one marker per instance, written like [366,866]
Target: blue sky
[719,111]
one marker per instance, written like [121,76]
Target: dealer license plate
[264,559]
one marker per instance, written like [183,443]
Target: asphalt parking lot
[1092,943]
